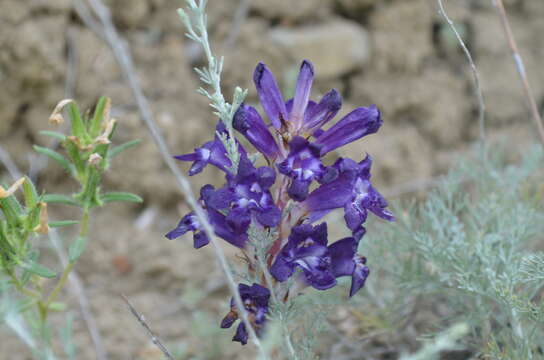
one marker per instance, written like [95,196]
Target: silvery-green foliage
[195,20]
[473,246]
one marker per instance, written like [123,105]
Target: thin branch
[125,61]
[520,67]
[156,341]
[475,75]
[76,286]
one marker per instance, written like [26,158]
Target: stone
[335,48]
[435,101]
[401,35]
[291,11]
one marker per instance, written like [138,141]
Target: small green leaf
[61,160]
[121,196]
[55,224]
[38,269]
[54,134]
[60,199]
[77,248]
[98,116]
[120,148]
[30,193]
[78,128]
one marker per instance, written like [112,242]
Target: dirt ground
[397,54]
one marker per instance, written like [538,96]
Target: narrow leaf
[54,134]
[77,248]
[38,269]
[78,128]
[121,196]
[30,193]
[61,160]
[120,148]
[102,106]
[60,199]
[55,224]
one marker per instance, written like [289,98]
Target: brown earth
[397,54]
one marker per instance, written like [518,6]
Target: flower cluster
[290,192]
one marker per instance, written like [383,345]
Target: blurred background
[398,54]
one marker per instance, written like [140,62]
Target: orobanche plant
[278,201]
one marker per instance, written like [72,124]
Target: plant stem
[83,231]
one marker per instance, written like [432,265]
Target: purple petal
[228,320]
[320,280]
[241,334]
[281,270]
[358,278]
[266,176]
[377,204]
[223,230]
[200,239]
[270,95]
[342,253]
[332,195]
[354,216]
[220,199]
[302,93]
[239,219]
[187,157]
[187,223]
[269,217]
[358,123]
[248,122]
[298,190]
[325,110]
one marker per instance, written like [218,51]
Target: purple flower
[247,194]
[303,165]
[218,221]
[248,122]
[358,123]
[306,249]
[363,198]
[190,223]
[353,191]
[255,299]
[346,262]
[213,152]
[299,115]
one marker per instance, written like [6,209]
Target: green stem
[21,288]
[83,231]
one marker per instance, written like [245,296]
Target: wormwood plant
[474,246]
[88,154]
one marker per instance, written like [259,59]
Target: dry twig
[156,341]
[475,75]
[520,67]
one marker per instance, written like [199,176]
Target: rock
[290,11]
[401,35]
[433,101]
[335,48]
[128,13]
